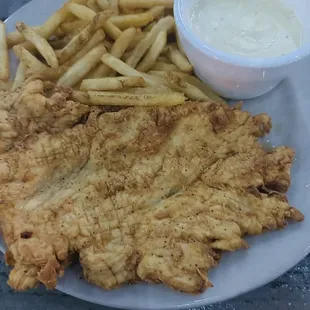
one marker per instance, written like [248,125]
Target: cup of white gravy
[243,48]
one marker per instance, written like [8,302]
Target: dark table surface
[291,291]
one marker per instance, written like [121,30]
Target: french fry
[114,6]
[49,74]
[125,56]
[86,14]
[124,69]
[142,100]
[81,11]
[97,37]
[28,59]
[164,59]
[139,51]
[138,37]
[177,83]
[162,73]
[163,66]
[80,96]
[58,33]
[15,38]
[150,58]
[4,54]
[147,90]
[145,4]
[118,49]
[178,59]
[206,89]
[50,26]
[113,83]
[59,43]
[82,38]
[69,27]
[82,66]
[93,5]
[149,26]
[127,11]
[40,43]
[137,20]
[103,4]
[20,76]
[111,30]
[193,81]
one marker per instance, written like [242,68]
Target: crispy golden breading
[36,107]
[152,194]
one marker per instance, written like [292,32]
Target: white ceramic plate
[270,255]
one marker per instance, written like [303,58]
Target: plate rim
[205,301]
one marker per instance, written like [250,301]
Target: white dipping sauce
[252,28]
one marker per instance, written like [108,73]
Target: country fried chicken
[36,107]
[142,194]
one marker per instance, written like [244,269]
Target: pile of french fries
[110,52]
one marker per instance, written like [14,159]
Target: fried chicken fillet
[143,194]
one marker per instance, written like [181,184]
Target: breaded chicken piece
[36,107]
[141,195]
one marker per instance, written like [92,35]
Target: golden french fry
[28,59]
[138,52]
[126,56]
[82,66]
[93,5]
[150,58]
[164,59]
[50,74]
[163,66]
[149,26]
[58,32]
[193,81]
[207,90]
[80,96]
[127,11]
[118,49]
[138,37]
[114,6]
[162,73]
[59,43]
[123,69]
[97,37]
[4,54]
[81,11]
[179,84]
[87,14]
[178,59]
[20,76]
[113,83]
[14,38]
[82,38]
[137,20]
[40,43]
[69,27]
[111,30]
[145,4]
[103,4]
[128,99]
[51,24]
